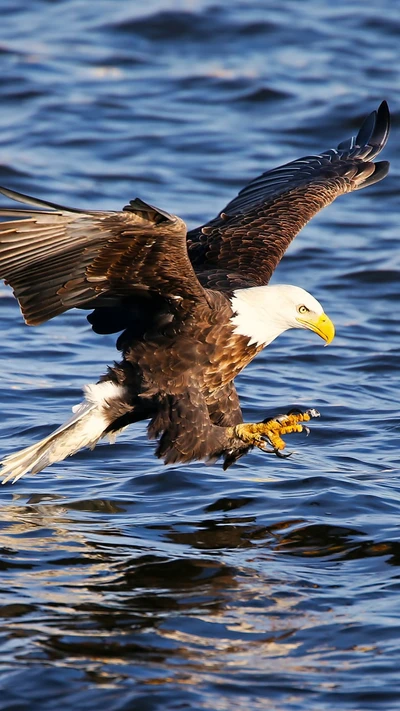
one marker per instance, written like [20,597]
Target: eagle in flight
[192,309]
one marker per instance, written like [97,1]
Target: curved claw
[274,450]
[283,418]
[263,446]
[312,412]
[281,455]
[296,411]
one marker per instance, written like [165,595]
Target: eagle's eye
[303,309]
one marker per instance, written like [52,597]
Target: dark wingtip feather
[382,128]
[375,129]
[139,206]
[35,202]
[366,130]
[380,172]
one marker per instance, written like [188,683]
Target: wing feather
[245,243]
[58,258]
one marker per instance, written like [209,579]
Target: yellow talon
[271,431]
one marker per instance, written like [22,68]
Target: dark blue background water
[275,585]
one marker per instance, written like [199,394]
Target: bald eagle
[192,308]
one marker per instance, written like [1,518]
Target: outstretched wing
[244,244]
[57,258]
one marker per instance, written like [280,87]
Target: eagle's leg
[270,432]
[186,433]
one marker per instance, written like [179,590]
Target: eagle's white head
[264,312]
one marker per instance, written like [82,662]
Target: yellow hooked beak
[320,324]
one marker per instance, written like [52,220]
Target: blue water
[275,585]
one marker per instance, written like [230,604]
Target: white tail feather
[83,429]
